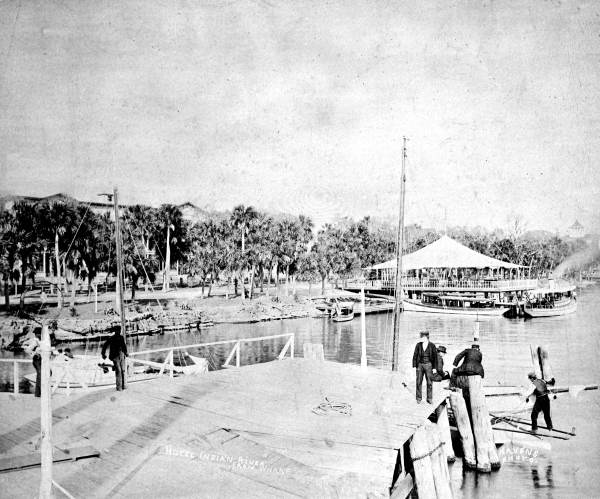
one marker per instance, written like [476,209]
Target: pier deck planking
[242,431]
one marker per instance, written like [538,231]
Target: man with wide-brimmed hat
[424,358]
[539,388]
[440,374]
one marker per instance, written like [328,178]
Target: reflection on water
[542,479]
[572,341]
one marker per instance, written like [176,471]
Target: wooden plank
[33,459]
[267,411]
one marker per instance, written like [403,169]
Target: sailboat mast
[399,244]
[119,244]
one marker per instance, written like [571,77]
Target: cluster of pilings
[431,451]
[474,426]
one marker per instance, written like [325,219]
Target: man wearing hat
[539,388]
[424,358]
[471,364]
[439,366]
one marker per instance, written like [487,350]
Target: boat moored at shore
[552,301]
[453,304]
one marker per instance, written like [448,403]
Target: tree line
[244,247]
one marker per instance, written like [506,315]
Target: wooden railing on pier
[168,365]
[165,366]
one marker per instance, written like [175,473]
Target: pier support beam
[46,419]
[487,455]
[444,428]
[419,451]
[461,415]
[439,463]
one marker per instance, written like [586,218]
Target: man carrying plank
[539,388]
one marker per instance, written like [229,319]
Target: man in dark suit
[439,365]
[471,364]
[117,352]
[424,358]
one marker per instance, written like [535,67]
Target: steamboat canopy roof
[445,253]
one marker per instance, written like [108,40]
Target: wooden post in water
[46,418]
[444,427]
[482,429]
[363,331]
[546,369]
[439,464]
[420,452]
[399,243]
[535,360]
[459,408]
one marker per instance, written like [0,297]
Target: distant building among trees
[576,230]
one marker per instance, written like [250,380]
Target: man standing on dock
[542,401]
[117,353]
[424,358]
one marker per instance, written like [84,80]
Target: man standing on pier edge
[117,353]
[424,358]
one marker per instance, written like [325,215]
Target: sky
[301,106]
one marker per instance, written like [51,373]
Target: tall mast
[399,243]
[119,243]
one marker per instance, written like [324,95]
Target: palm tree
[142,221]
[203,256]
[242,218]
[60,218]
[26,227]
[8,251]
[170,234]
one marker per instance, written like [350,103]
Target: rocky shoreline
[144,317]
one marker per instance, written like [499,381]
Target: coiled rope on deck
[331,407]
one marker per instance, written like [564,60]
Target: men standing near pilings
[471,414]
[424,358]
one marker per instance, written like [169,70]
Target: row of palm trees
[245,247]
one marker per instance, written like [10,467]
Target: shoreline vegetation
[57,253]
[183,308]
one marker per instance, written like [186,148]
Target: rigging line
[77,231]
[141,261]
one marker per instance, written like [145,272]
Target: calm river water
[572,341]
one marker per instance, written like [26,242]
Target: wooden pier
[250,431]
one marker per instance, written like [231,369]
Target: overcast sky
[301,106]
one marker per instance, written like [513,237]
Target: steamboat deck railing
[499,285]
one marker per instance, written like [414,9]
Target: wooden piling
[535,359]
[461,415]
[444,427]
[439,464]
[420,453]
[487,455]
[546,369]
[46,418]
